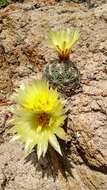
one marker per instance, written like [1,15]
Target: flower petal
[45,148]
[61,133]
[29,145]
[39,151]
[54,142]
[42,149]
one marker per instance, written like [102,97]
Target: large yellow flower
[38,117]
[62,41]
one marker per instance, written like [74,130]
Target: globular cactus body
[64,75]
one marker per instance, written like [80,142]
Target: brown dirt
[23,52]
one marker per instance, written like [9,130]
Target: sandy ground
[23,54]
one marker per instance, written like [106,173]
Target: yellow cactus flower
[39,117]
[62,41]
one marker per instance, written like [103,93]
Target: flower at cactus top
[38,117]
[62,41]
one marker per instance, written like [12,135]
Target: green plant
[62,73]
[3,3]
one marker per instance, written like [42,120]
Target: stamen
[43,119]
[64,55]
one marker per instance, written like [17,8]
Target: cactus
[62,73]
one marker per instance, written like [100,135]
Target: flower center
[64,55]
[43,119]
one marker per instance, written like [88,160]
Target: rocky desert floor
[23,53]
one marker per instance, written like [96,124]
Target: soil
[23,53]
